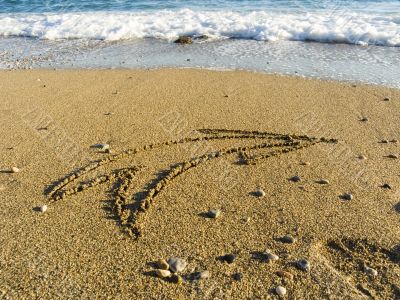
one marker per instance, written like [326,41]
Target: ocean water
[356,40]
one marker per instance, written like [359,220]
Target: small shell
[14,170]
[347,196]
[163,273]
[271,256]
[371,271]
[259,193]
[323,181]
[280,291]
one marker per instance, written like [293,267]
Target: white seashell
[271,256]
[163,273]
[43,208]
[280,291]
[259,193]
[14,170]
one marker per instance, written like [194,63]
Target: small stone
[101,147]
[386,99]
[108,150]
[364,119]
[229,258]
[177,264]
[237,276]
[323,181]
[371,271]
[288,239]
[285,274]
[213,213]
[386,186]
[271,256]
[162,264]
[393,156]
[303,265]
[295,178]
[43,208]
[280,291]
[394,141]
[176,279]
[184,40]
[362,157]
[14,170]
[347,196]
[163,273]
[204,275]
[259,193]
[305,163]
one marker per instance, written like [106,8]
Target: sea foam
[319,26]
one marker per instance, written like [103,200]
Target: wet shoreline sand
[197,141]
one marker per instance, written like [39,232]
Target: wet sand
[183,142]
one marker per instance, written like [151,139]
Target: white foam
[327,27]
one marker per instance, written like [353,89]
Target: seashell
[162,264]
[280,291]
[323,181]
[213,213]
[43,208]
[163,273]
[347,196]
[14,170]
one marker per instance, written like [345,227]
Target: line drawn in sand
[130,213]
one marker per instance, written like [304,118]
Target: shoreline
[185,142]
[207,69]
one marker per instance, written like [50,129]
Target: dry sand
[79,249]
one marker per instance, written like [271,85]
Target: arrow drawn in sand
[260,146]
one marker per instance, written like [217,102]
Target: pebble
[386,99]
[364,119]
[280,291]
[288,239]
[176,279]
[384,142]
[323,181]
[305,163]
[371,271]
[14,170]
[259,193]
[285,274]
[394,141]
[386,186]
[295,178]
[362,157]
[237,276]
[213,213]
[394,156]
[271,256]
[43,208]
[303,265]
[177,264]
[229,258]
[162,264]
[347,196]
[163,273]
[204,275]
[102,147]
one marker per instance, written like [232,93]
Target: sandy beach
[302,174]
